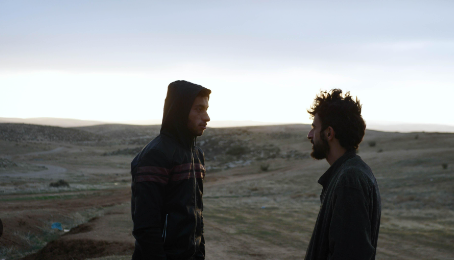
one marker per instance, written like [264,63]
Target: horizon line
[385,126]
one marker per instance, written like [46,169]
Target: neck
[335,152]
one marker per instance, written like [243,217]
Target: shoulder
[355,173]
[161,149]
[160,145]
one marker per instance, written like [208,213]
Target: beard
[320,149]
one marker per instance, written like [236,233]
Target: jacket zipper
[195,196]
[164,230]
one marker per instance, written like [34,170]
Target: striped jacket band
[164,175]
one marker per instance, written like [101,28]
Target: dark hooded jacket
[349,219]
[167,185]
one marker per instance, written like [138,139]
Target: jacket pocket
[164,230]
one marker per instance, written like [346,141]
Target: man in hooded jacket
[167,180]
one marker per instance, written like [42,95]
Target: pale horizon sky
[263,60]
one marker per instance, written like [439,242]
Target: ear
[330,134]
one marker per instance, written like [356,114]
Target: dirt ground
[249,213]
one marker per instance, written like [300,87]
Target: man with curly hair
[349,219]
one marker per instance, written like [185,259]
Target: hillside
[129,134]
[261,195]
[39,133]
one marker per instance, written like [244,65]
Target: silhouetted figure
[349,219]
[167,180]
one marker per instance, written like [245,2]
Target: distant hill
[49,121]
[121,131]
[112,133]
[66,122]
[406,128]
[40,133]
[129,134]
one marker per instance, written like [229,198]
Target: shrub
[416,136]
[444,165]
[237,150]
[60,183]
[372,143]
[380,150]
[264,167]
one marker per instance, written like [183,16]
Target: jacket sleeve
[350,227]
[200,254]
[149,180]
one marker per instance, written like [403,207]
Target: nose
[206,117]
[310,135]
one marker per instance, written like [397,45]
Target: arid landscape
[261,195]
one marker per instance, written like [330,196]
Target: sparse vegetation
[59,184]
[8,165]
[264,167]
[237,150]
[39,133]
[5,163]
[372,143]
[256,188]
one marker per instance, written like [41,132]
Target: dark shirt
[349,219]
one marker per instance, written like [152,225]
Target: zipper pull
[164,230]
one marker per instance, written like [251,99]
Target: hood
[180,97]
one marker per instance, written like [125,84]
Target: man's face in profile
[320,146]
[198,116]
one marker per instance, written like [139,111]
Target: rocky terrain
[37,133]
[260,195]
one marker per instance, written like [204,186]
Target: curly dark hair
[343,114]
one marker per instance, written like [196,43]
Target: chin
[318,155]
[200,133]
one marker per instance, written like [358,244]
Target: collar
[328,175]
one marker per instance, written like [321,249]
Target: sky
[263,60]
